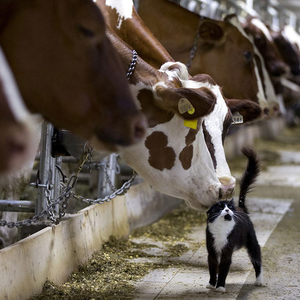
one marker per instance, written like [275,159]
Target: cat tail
[249,176]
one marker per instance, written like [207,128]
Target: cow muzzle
[227,186]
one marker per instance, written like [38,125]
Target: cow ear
[200,101]
[248,109]
[210,31]
[231,18]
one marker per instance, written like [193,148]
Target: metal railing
[54,189]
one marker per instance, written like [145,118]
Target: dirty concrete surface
[274,205]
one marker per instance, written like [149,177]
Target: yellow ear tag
[191,111]
[184,105]
[191,123]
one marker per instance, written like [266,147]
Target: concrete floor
[275,211]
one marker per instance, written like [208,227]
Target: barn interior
[90,227]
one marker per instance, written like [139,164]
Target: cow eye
[248,55]
[86,32]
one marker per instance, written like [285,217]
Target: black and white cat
[230,228]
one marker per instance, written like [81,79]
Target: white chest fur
[220,229]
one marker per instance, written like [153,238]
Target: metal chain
[193,50]
[195,45]
[65,195]
[121,191]
[132,64]
[108,181]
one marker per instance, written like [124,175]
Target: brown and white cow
[19,139]
[289,87]
[68,71]
[17,125]
[220,49]
[265,44]
[267,85]
[187,163]
[288,51]
[184,162]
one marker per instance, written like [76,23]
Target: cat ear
[231,201]
[209,211]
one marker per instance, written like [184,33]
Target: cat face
[222,209]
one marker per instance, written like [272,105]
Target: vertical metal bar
[56,179]
[45,168]
[112,168]
[101,180]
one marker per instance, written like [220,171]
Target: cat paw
[220,289]
[259,280]
[210,286]
[258,283]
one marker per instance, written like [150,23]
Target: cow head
[181,161]
[264,43]
[224,49]
[68,71]
[288,51]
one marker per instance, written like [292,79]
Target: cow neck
[166,15]
[142,72]
[195,44]
[133,31]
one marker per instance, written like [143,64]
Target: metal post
[56,178]
[104,187]
[113,168]
[45,167]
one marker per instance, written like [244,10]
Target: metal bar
[17,205]
[45,171]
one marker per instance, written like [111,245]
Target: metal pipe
[17,205]
[45,170]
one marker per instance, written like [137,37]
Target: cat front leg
[213,270]
[223,272]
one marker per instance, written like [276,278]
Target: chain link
[132,64]
[67,187]
[195,45]
[121,191]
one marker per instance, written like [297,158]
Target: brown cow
[19,139]
[289,52]
[289,87]
[68,71]
[17,125]
[193,157]
[220,47]
[265,44]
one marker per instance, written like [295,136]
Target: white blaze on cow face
[260,94]
[123,8]
[292,35]
[271,97]
[260,25]
[19,139]
[11,90]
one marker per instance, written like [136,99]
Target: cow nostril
[139,128]
[220,193]
[266,111]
